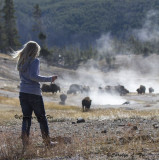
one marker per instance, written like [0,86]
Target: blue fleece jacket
[30,78]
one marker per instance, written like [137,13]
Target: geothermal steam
[132,71]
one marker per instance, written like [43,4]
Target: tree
[42,38]
[2,31]
[37,17]
[37,27]
[11,33]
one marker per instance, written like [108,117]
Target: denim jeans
[30,103]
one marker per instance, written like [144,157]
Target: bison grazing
[50,88]
[116,89]
[141,90]
[63,98]
[54,88]
[45,88]
[151,90]
[86,103]
[121,90]
[86,89]
[74,88]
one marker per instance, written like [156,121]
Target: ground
[110,131]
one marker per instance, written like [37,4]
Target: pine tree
[2,32]
[37,19]
[11,33]
[37,27]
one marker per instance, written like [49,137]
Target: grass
[9,101]
[11,107]
[5,56]
[134,144]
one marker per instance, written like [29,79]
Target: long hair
[29,51]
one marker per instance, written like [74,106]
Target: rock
[134,128]
[104,131]
[80,120]
[155,125]
[127,102]
[121,124]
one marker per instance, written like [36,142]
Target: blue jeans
[30,103]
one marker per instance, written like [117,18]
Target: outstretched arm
[34,73]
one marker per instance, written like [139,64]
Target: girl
[30,93]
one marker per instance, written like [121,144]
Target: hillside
[82,22]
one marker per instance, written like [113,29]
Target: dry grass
[110,145]
[8,88]
[11,148]
[5,56]
[9,101]
[57,111]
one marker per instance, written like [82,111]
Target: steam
[131,70]
[106,45]
[150,31]
[106,99]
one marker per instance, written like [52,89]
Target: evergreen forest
[68,30]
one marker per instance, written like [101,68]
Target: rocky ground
[126,138]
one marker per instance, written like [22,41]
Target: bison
[63,98]
[86,89]
[151,90]
[86,103]
[141,90]
[121,90]
[50,88]
[54,88]
[116,89]
[45,88]
[74,88]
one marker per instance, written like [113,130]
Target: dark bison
[141,90]
[151,90]
[86,89]
[121,90]
[74,88]
[63,98]
[50,88]
[86,103]
[54,88]
[116,89]
[46,88]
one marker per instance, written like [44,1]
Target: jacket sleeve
[34,73]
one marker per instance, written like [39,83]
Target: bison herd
[86,102]
[119,89]
[142,90]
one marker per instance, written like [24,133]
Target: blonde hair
[29,51]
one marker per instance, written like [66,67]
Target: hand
[54,78]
